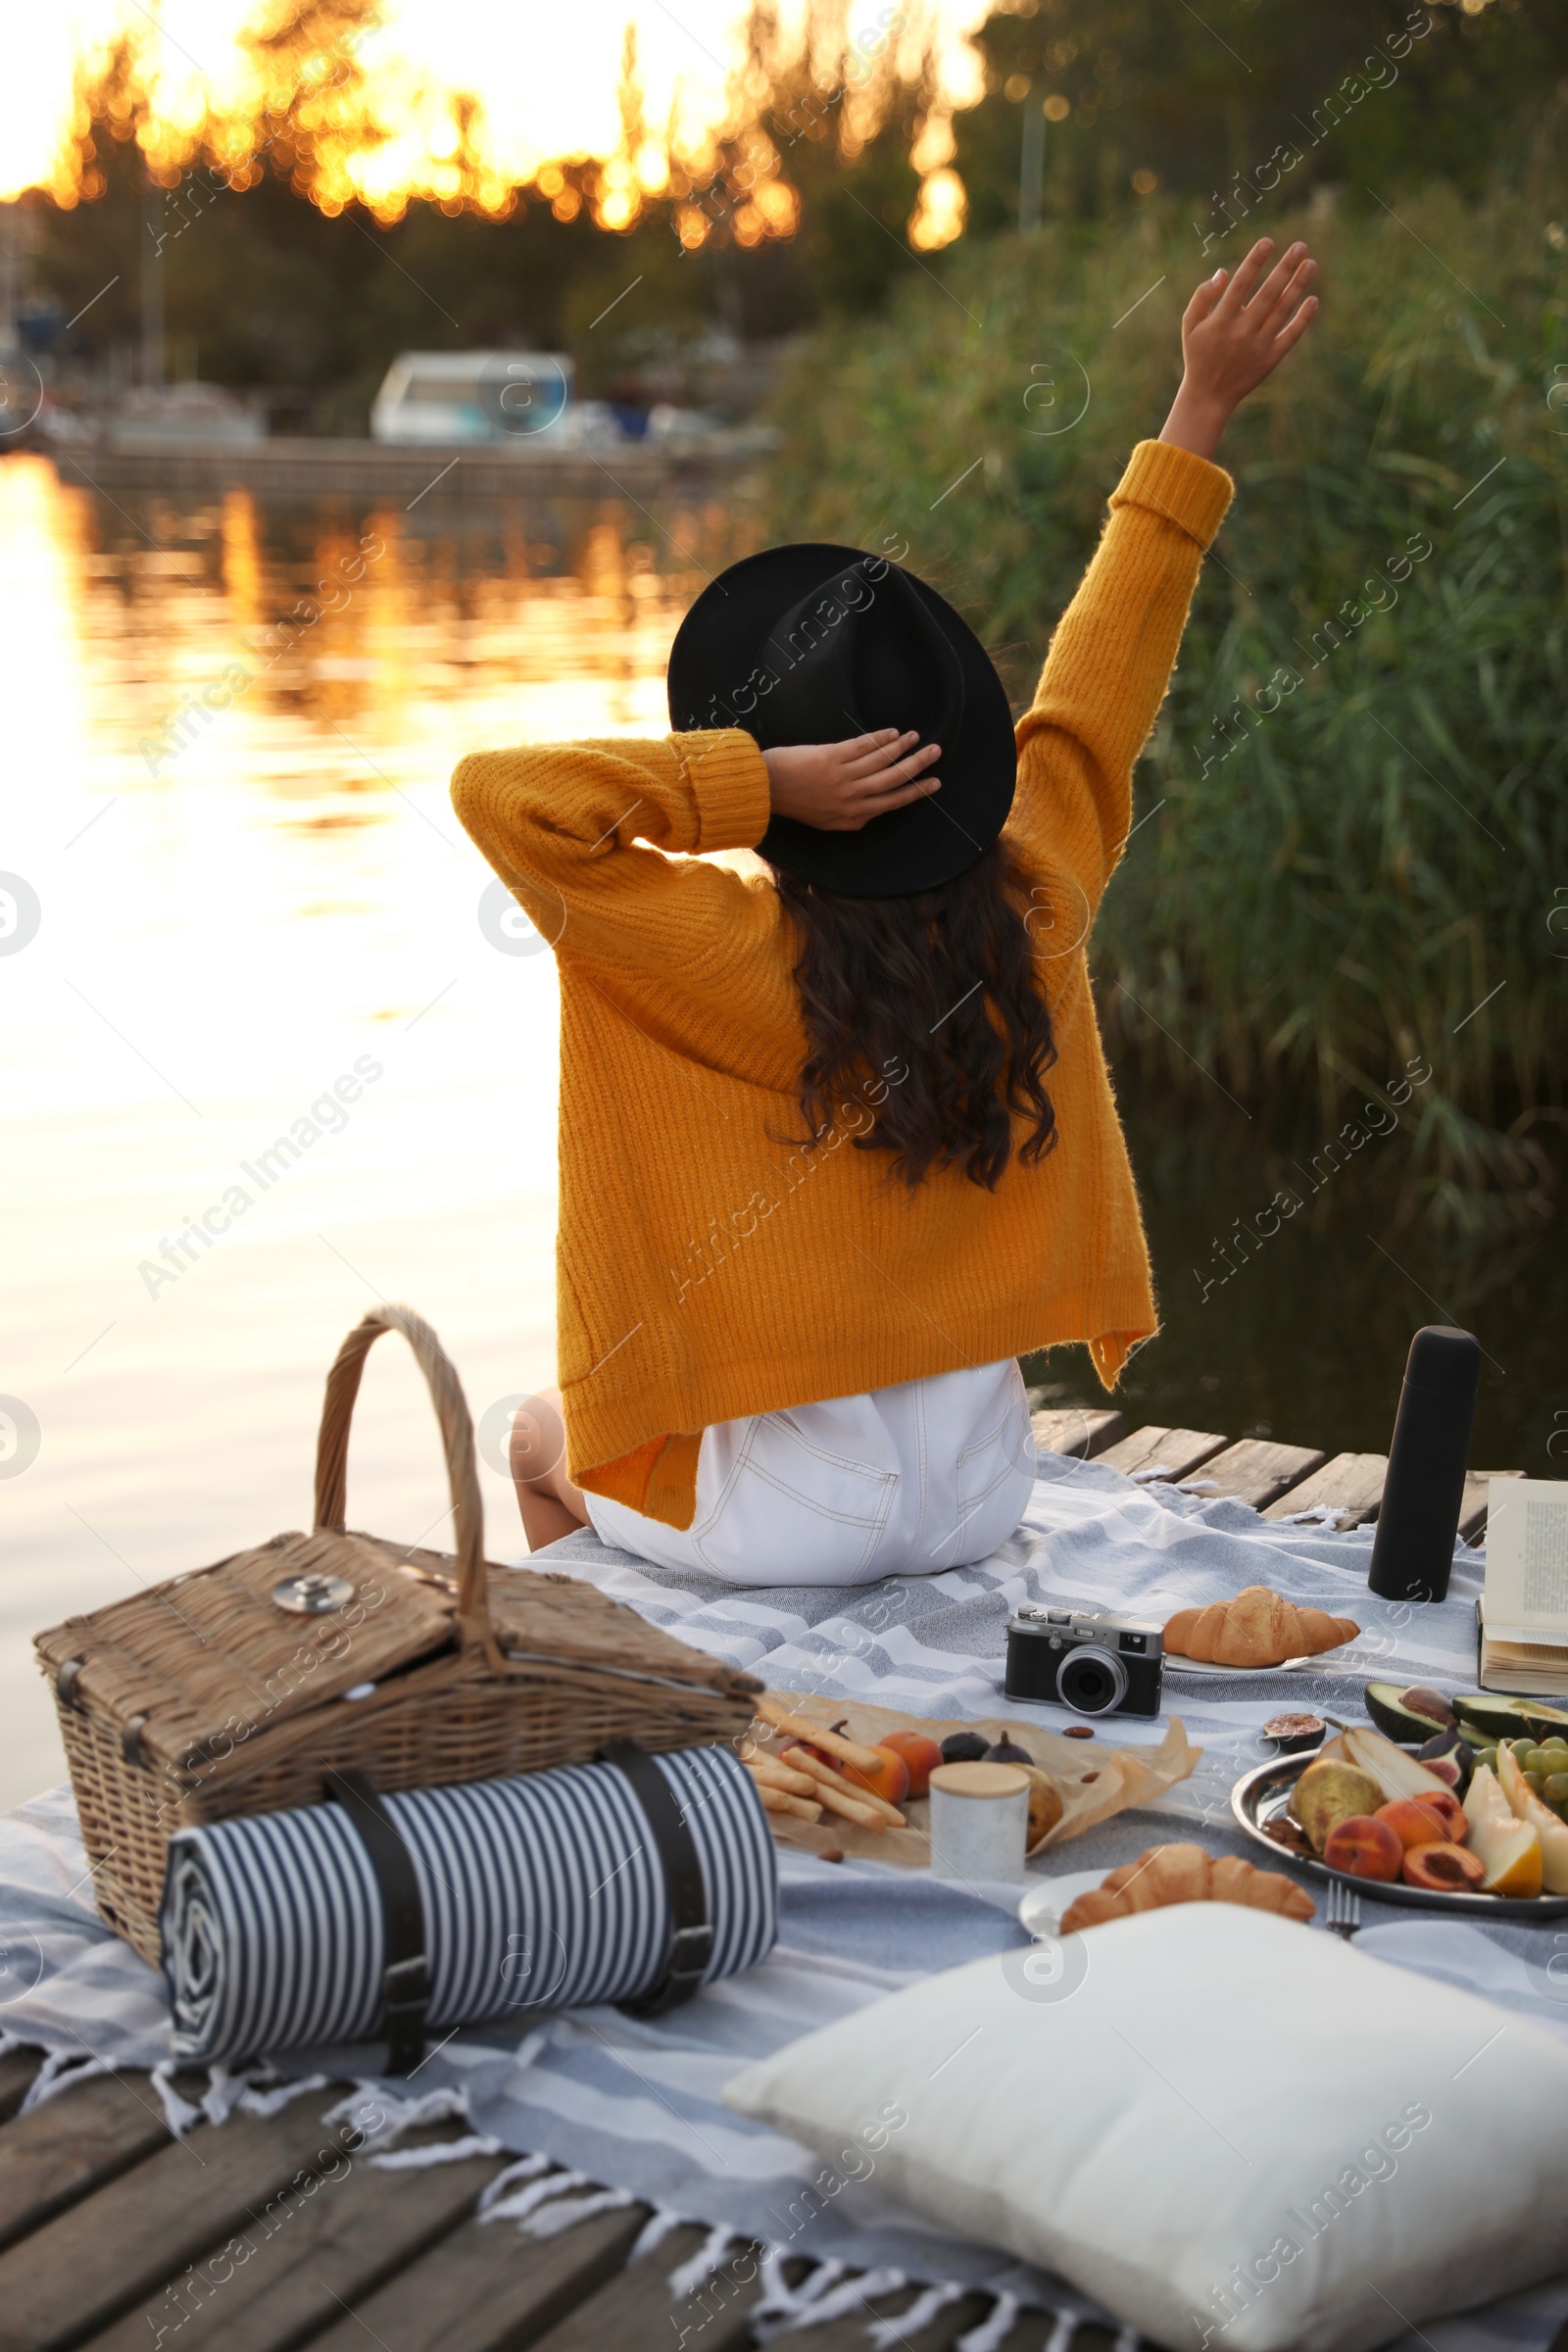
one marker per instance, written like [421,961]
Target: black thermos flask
[1412,1550]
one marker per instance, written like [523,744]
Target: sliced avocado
[1498,1718]
[1385,1703]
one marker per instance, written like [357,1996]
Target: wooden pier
[1278,1481]
[408,475]
[269,2234]
[264,2235]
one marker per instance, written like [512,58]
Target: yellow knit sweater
[706,1269]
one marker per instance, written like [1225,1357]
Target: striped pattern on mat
[540,1892]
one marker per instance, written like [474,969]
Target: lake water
[219,919]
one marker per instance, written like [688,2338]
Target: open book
[1524,1611]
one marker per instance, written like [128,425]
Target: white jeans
[901,1482]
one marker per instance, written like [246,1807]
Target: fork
[1342,1914]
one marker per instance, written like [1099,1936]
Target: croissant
[1185,1874]
[1258,1628]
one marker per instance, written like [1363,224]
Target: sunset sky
[546,75]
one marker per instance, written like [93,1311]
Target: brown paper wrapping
[1096,1779]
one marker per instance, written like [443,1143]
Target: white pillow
[1231,2130]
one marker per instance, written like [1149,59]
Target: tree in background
[813,197]
[277,277]
[1220,108]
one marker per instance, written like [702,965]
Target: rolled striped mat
[541,1892]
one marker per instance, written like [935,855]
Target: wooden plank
[111,2250]
[72,2145]
[1167,1452]
[1257,1471]
[1353,1482]
[488,2288]
[635,2312]
[16,2080]
[1473,1503]
[1081,1430]
[283,2277]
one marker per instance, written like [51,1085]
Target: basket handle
[456,1439]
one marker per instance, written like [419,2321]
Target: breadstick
[774,1775]
[779,1800]
[852,1809]
[826,1783]
[800,1726]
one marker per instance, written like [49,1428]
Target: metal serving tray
[1264,1793]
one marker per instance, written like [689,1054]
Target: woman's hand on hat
[839,787]
[1235,332]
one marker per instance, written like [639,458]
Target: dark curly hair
[936,1000]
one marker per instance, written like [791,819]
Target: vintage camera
[1094,1665]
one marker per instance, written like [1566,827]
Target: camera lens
[1092,1681]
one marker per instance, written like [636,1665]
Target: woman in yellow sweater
[837,1141]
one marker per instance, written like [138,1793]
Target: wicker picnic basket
[237,1689]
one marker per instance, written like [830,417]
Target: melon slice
[1508,1848]
[1527,1806]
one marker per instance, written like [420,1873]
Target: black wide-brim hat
[812,642]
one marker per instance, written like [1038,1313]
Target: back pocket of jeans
[796,1512]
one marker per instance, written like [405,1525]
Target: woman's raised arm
[1111,657]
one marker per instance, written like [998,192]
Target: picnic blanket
[636,2103]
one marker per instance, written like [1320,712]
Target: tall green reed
[1352,842]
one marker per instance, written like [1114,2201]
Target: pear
[1328,1793]
[1396,1771]
[1045,1805]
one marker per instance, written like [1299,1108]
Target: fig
[1329,1791]
[963,1747]
[1007,1751]
[1447,1756]
[1291,1733]
[1444,1867]
[1364,1848]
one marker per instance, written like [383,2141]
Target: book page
[1527,1560]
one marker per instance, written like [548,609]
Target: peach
[890,1780]
[920,1754]
[1365,1847]
[1419,1820]
[1444,1865]
[1443,1800]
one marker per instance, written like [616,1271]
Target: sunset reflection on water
[237,907]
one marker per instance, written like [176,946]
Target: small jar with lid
[979,1821]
